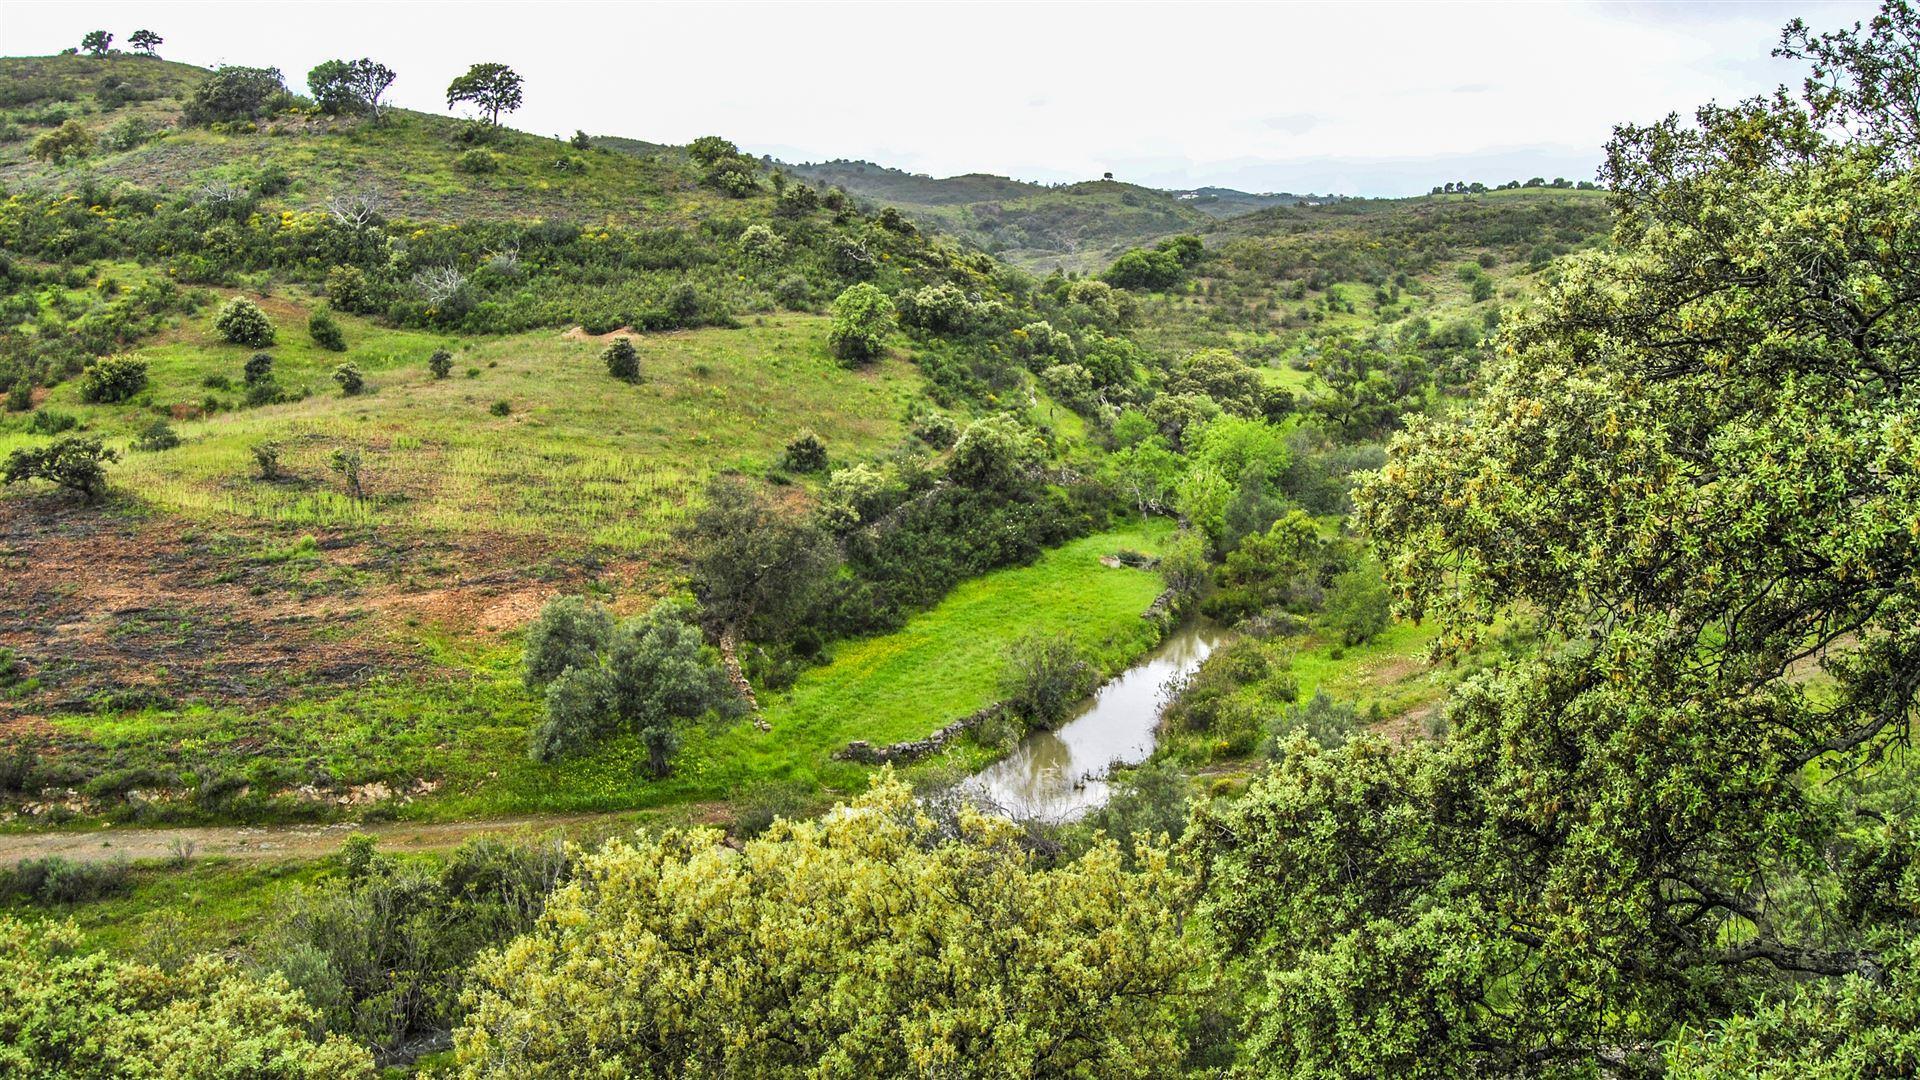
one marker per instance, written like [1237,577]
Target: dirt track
[272,842]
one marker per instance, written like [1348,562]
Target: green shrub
[57,880]
[501,408]
[235,93]
[69,140]
[259,368]
[806,453]
[77,463]
[242,322]
[1044,678]
[440,363]
[348,289]
[325,331]
[49,422]
[862,317]
[113,379]
[622,359]
[350,378]
[477,161]
[266,458]
[158,435]
[1359,605]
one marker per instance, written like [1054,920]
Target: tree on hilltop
[97,42]
[146,41]
[491,88]
[350,86]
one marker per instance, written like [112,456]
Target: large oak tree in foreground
[1686,830]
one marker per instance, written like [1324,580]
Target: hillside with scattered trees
[489,605]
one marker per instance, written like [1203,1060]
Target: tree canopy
[491,88]
[875,941]
[1694,459]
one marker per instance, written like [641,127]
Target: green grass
[466,722]
[943,664]
[581,459]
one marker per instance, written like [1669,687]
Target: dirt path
[276,841]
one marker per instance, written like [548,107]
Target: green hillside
[1039,226]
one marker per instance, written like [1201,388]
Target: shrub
[1325,720]
[325,331]
[862,316]
[69,140]
[502,407]
[349,377]
[83,1015]
[242,322]
[580,141]
[349,290]
[235,93]
[941,308]
[49,422]
[762,244]
[937,430]
[20,395]
[158,435]
[1359,605]
[266,392]
[622,359]
[346,461]
[113,379]
[440,363]
[477,161]
[710,150]
[57,880]
[1044,678]
[266,458]
[259,369]
[77,463]
[921,942]
[806,453]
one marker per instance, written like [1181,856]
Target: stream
[1059,775]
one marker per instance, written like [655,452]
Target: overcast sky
[1376,99]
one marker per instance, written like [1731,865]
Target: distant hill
[1072,226]
[1222,202]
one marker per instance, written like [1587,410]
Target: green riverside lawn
[943,664]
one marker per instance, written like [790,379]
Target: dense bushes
[870,942]
[56,880]
[236,93]
[78,1015]
[383,949]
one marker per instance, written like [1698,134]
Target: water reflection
[1058,775]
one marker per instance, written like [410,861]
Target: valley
[483,604]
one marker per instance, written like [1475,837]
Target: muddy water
[1059,775]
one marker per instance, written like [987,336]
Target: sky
[1360,99]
